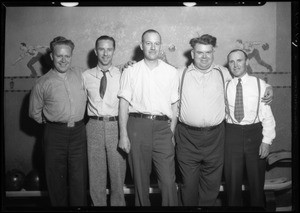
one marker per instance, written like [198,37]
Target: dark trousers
[200,159]
[151,141]
[66,164]
[242,155]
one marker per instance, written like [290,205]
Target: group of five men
[152,112]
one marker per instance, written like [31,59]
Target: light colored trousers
[104,158]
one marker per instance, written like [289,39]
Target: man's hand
[124,144]
[128,64]
[268,96]
[264,150]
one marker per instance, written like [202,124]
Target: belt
[152,117]
[71,124]
[105,118]
[209,128]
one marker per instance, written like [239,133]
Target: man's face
[104,52]
[203,56]
[151,45]
[61,57]
[237,63]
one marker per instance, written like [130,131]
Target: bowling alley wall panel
[267,28]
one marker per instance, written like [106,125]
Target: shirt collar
[158,63]
[56,74]
[244,78]
[99,73]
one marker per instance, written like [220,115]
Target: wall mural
[252,49]
[32,54]
[31,34]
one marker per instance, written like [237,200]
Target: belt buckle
[152,117]
[71,124]
[105,118]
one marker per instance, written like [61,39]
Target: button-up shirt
[108,106]
[202,100]
[150,91]
[58,99]
[250,101]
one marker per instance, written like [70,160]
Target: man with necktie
[104,156]
[250,130]
[200,132]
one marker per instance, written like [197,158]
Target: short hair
[105,37]
[237,50]
[150,31]
[59,40]
[204,39]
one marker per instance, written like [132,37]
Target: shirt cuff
[125,94]
[267,141]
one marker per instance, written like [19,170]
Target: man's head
[237,62]
[151,44]
[203,51]
[61,53]
[104,50]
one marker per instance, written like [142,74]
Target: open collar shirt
[150,91]
[250,101]
[108,106]
[202,99]
[58,99]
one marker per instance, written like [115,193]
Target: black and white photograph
[128,106]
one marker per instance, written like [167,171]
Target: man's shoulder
[255,78]
[44,79]
[134,67]
[89,70]
[167,66]
[116,70]
[220,68]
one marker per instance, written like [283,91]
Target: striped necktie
[103,83]
[239,106]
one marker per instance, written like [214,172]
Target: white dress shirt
[150,91]
[250,101]
[108,106]
[202,103]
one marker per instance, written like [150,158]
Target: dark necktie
[239,106]
[103,83]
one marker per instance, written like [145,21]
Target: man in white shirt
[250,130]
[148,109]
[102,127]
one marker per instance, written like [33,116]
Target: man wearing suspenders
[250,130]
[200,132]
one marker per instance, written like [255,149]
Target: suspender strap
[226,103]
[222,76]
[258,101]
[180,92]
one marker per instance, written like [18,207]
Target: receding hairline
[237,50]
[151,31]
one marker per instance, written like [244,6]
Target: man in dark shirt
[58,99]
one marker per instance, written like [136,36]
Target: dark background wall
[37,26]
